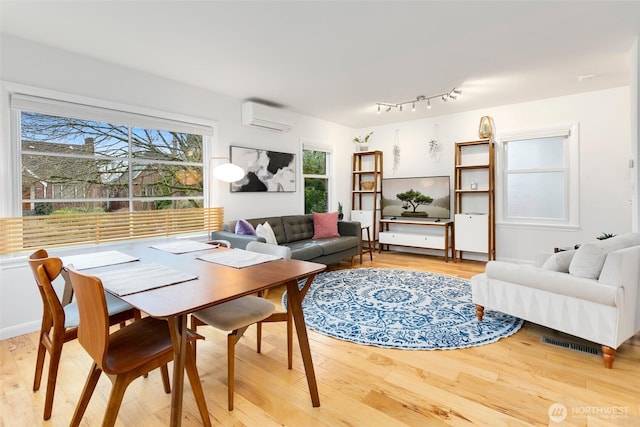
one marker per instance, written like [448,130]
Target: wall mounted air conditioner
[265,117]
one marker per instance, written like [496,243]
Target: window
[82,163]
[89,174]
[540,178]
[315,171]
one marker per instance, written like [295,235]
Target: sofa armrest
[239,241]
[349,228]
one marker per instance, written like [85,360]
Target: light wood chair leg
[54,363]
[120,384]
[89,386]
[164,372]
[42,351]
[194,327]
[196,385]
[259,335]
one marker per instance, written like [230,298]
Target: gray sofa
[296,232]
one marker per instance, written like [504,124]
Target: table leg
[178,329]
[294,299]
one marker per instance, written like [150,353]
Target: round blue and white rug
[403,309]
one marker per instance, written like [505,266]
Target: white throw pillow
[266,232]
[590,257]
[559,261]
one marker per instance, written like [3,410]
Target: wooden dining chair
[126,354]
[60,320]
[238,314]
[284,252]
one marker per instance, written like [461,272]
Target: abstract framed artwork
[266,170]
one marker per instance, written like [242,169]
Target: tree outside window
[76,165]
[316,180]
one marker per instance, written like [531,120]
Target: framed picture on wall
[266,170]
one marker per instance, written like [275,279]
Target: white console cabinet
[472,232]
[402,237]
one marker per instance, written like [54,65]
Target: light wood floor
[512,382]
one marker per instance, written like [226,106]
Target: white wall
[25,63]
[604,119]
[634,74]
[605,178]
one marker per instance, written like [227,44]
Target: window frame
[312,146]
[571,151]
[15,97]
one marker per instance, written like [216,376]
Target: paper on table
[238,258]
[142,277]
[97,259]
[183,246]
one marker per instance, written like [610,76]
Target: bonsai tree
[414,199]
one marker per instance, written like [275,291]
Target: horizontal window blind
[316,147]
[90,112]
[19,234]
[551,133]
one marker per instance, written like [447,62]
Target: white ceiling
[335,60]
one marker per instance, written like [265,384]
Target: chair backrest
[266,248]
[220,242]
[53,314]
[93,330]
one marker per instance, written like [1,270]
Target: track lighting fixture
[453,95]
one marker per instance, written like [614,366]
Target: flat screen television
[427,197]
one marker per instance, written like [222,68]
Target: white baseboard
[16,330]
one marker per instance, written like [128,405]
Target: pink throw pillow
[325,225]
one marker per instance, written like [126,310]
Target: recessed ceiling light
[586,77]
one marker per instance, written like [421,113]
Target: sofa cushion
[266,232]
[334,245]
[297,227]
[590,257]
[245,228]
[325,225]
[559,261]
[304,249]
[276,225]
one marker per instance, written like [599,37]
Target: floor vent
[569,345]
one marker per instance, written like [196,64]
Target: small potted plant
[605,236]
[362,142]
[340,213]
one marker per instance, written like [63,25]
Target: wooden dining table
[215,284]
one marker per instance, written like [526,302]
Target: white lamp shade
[228,172]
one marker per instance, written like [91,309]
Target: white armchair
[591,293]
